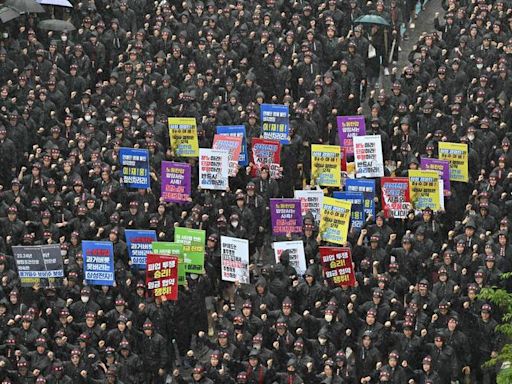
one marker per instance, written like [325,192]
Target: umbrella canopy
[57,3]
[56,25]
[25,6]
[8,14]
[372,19]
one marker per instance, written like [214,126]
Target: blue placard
[135,167]
[98,262]
[357,209]
[139,245]
[275,122]
[236,130]
[367,186]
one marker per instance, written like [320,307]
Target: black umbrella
[25,6]
[56,25]
[8,14]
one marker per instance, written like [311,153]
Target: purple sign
[348,127]
[175,182]
[442,166]
[286,216]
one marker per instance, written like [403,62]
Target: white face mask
[87,117]
[64,38]
[234,223]
[193,276]
[479,66]
[322,340]
[63,253]
[328,318]
[5,35]
[471,136]
[84,299]
[135,117]
[109,119]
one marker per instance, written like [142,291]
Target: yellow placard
[424,189]
[326,165]
[183,136]
[335,220]
[457,156]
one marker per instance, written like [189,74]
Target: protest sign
[193,248]
[296,251]
[234,259]
[275,122]
[348,128]
[396,202]
[424,189]
[162,276]
[175,182]
[52,259]
[38,264]
[442,166]
[337,266]
[134,167]
[171,249]
[357,208]
[457,155]
[368,156]
[236,130]
[367,187]
[310,201]
[98,262]
[266,152]
[326,165]
[213,169]
[183,136]
[231,144]
[285,216]
[334,220]
[139,245]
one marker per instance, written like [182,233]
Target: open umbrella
[8,14]
[25,6]
[372,19]
[56,25]
[57,3]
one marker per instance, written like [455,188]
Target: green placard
[193,248]
[171,249]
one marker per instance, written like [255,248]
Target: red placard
[266,152]
[396,201]
[162,275]
[337,266]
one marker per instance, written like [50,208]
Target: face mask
[193,276]
[479,66]
[63,253]
[234,223]
[64,38]
[135,117]
[471,136]
[328,318]
[109,119]
[84,299]
[87,117]
[5,35]
[322,340]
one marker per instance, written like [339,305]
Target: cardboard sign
[98,262]
[335,220]
[368,156]
[162,276]
[396,201]
[213,169]
[326,165]
[135,167]
[348,128]
[337,266]
[176,186]
[139,245]
[275,122]
[297,254]
[285,216]
[183,136]
[424,189]
[234,259]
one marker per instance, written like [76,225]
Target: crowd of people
[70,101]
